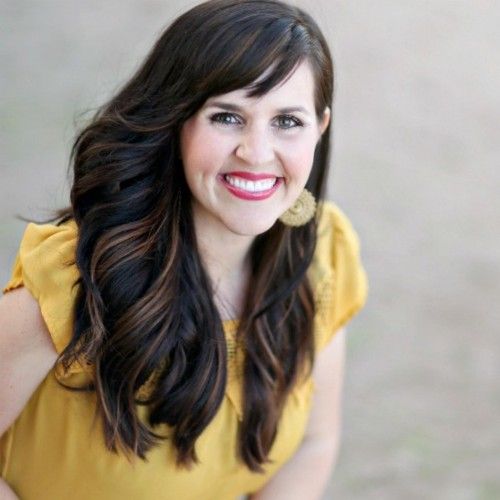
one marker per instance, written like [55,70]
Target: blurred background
[415,167]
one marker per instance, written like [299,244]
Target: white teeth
[250,186]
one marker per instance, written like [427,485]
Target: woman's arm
[5,492]
[305,476]
[26,356]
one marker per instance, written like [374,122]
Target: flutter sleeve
[338,278]
[45,265]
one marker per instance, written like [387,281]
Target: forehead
[296,89]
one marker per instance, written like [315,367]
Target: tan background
[416,168]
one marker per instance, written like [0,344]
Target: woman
[172,323]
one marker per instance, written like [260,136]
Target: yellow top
[52,452]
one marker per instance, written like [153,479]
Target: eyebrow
[233,107]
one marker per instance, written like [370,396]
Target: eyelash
[219,119]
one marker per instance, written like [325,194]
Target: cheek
[298,160]
[202,150]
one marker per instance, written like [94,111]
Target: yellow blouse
[52,451]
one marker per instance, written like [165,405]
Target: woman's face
[246,160]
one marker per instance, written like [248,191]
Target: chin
[250,227]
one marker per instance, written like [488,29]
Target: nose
[255,146]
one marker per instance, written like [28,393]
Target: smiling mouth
[259,188]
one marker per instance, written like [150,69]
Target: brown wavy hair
[145,303]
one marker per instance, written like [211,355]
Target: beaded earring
[301,212]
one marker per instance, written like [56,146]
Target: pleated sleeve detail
[45,265]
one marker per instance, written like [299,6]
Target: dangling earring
[301,212]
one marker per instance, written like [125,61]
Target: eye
[288,122]
[225,119]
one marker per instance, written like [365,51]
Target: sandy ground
[416,168]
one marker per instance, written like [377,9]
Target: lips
[250,186]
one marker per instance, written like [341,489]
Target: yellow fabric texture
[52,451]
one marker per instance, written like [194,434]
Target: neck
[225,256]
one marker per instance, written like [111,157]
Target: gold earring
[301,212]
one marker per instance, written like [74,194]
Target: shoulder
[335,231]
[337,273]
[338,243]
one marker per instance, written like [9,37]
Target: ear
[325,120]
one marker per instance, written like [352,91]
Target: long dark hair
[145,304]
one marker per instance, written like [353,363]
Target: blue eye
[225,119]
[289,122]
